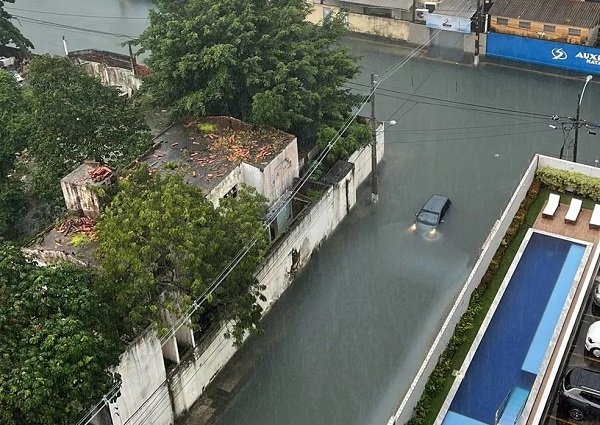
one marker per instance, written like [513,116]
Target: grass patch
[441,378]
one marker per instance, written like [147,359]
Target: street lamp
[579,99]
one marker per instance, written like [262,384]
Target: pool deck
[581,231]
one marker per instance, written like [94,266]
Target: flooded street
[345,341]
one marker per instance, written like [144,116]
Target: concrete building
[113,69]
[569,21]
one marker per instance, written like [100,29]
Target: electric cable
[76,15]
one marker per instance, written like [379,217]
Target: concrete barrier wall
[410,400]
[380,26]
[561,164]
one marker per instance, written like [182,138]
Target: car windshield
[568,384]
[427,217]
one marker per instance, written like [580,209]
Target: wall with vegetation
[174,392]
[459,307]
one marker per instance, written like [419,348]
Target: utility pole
[477,31]
[576,129]
[374,191]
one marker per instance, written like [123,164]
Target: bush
[568,181]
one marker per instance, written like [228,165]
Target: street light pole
[579,99]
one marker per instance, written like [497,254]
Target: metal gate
[448,45]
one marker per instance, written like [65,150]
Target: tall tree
[13,137]
[9,33]
[257,60]
[59,337]
[160,235]
[74,118]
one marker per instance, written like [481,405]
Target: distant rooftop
[116,60]
[576,13]
[206,150]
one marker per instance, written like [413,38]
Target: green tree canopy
[59,336]
[161,235]
[9,33]
[74,118]
[256,60]
[13,138]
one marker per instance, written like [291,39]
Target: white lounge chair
[595,219]
[573,212]
[551,205]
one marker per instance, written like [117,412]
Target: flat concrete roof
[206,150]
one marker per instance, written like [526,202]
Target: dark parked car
[580,393]
[434,210]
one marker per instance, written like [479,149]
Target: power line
[456,102]
[485,136]
[70,27]
[43,12]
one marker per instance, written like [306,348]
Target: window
[524,24]
[502,21]
[549,28]
[233,192]
[591,397]
[574,31]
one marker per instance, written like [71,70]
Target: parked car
[597,295]
[580,393]
[592,339]
[434,210]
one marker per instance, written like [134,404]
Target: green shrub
[207,127]
[79,240]
[564,181]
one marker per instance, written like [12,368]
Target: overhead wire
[76,15]
[70,27]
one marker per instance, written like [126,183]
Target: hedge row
[563,181]
[442,372]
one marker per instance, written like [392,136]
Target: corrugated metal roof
[384,4]
[462,8]
[574,13]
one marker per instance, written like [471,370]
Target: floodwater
[344,342]
[86,24]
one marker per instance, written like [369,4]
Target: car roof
[436,203]
[582,377]
[594,328]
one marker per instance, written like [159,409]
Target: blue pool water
[515,342]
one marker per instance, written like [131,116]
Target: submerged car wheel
[576,413]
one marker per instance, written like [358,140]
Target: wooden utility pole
[374,190]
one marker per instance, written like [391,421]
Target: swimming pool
[510,354]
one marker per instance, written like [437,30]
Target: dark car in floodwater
[434,210]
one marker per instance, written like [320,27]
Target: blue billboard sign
[571,57]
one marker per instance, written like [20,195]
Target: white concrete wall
[142,370]
[225,185]
[279,174]
[252,176]
[561,164]
[362,158]
[491,244]
[121,78]
[188,381]
[79,198]
[375,25]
